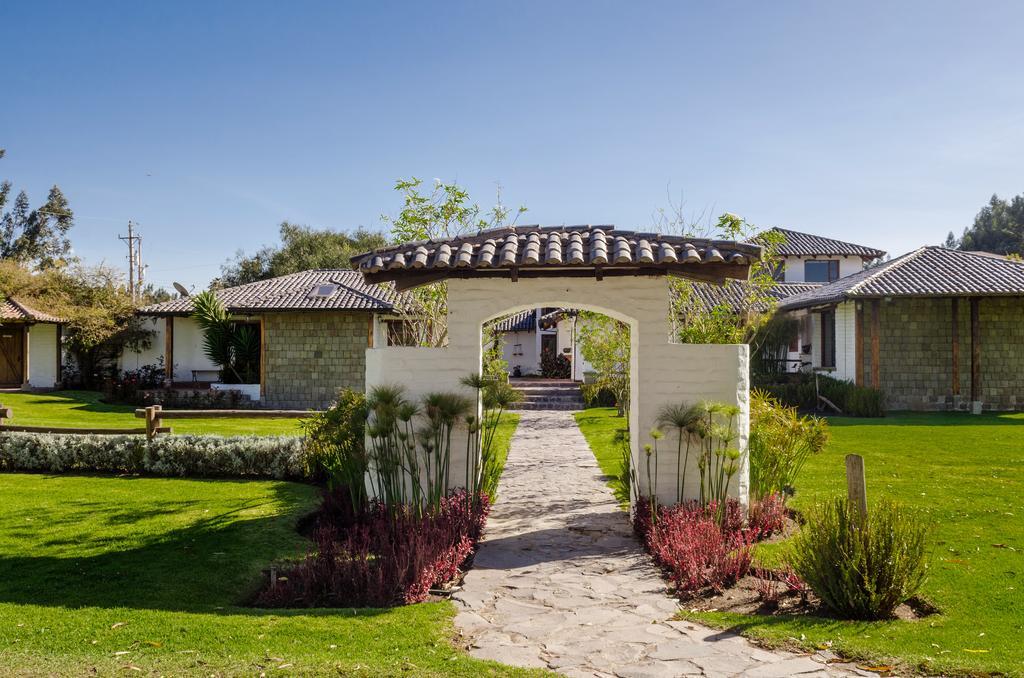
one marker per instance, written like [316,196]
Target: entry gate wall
[660,372]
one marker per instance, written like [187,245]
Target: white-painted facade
[43,371]
[523,349]
[796,267]
[660,372]
[189,358]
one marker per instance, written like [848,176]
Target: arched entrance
[620,274]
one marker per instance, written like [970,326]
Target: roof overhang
[557,252]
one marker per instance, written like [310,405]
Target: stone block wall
[916,353]
[309,356]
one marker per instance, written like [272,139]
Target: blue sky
[886,123]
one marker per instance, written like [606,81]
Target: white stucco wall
[528,361]
[42,355]
[846,365]
[660,372]
[188,349]
[795,266]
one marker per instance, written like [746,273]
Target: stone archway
[621,274]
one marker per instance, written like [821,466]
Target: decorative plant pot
[250,390]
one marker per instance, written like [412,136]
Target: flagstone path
[559,581]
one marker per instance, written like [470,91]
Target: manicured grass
[600,426]
[100,574]
[967,474]
[72,409]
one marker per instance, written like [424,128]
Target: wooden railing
[154,416]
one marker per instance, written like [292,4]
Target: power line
[135,267]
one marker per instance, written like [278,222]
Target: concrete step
[566,406]
[548,394]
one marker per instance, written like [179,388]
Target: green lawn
[102,574]
[967,473]
[84,409]
[600,426]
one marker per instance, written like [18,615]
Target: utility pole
[134,260]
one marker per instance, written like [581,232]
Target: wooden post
[149,423]
[956,346]
[25,368]
[59,379]
[876,380]
[169,350]
[369,331]
[856,485]
[858,342]
[975,350]
[157,421]
[5,413]
[263,356]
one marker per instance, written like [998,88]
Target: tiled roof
[930,271]
[11,309]
[799,244]
[533,251]
[524,321]
[732,293]
[295,292]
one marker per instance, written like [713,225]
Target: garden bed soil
[743,598]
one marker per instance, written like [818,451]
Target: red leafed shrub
[767,517]
[690,542]
[380,559]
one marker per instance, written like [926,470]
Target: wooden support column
[369,331]
[59,379]
[956,345]
[169,349]
[975,350]
[876,380]
[25,366]
[858,342]
[263,356]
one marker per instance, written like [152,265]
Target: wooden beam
[59,379]
[25,371]
[876,380]
[369,331]
[975,349]
[169,349]
[955,329]
[263,356]
[858,342]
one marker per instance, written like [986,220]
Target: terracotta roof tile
[12,309]
[345,291]
[930,271]
[799,244]
[548,251]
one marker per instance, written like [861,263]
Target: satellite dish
[181,289]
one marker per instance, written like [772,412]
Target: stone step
[566,406]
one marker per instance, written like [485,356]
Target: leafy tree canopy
[301,248]
[998,228]
[37,237]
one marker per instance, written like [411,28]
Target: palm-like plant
[212,317]
[685,419]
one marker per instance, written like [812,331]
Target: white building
[526,335]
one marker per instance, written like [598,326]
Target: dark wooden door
[12,356]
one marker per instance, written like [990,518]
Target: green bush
[181,456]
[862,568]
[780,443]
[335,442]
[856,401]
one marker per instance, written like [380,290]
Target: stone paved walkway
[560,582]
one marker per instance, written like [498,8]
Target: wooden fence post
[5,413]
[149,423]
[856,485]
[157,421]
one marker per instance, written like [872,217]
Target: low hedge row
[799,391]
[279,457]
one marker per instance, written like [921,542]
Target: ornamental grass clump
[780,443]
[862,567]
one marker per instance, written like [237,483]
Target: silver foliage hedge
[276,457]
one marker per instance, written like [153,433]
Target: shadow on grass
[932,419]
[212,565]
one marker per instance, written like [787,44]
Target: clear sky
[208,123]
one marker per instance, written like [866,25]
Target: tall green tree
[301,248]
[998,227]
[37,237]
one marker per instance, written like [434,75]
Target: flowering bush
[767,517]
[187,455]
[695,546]
[386,556]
